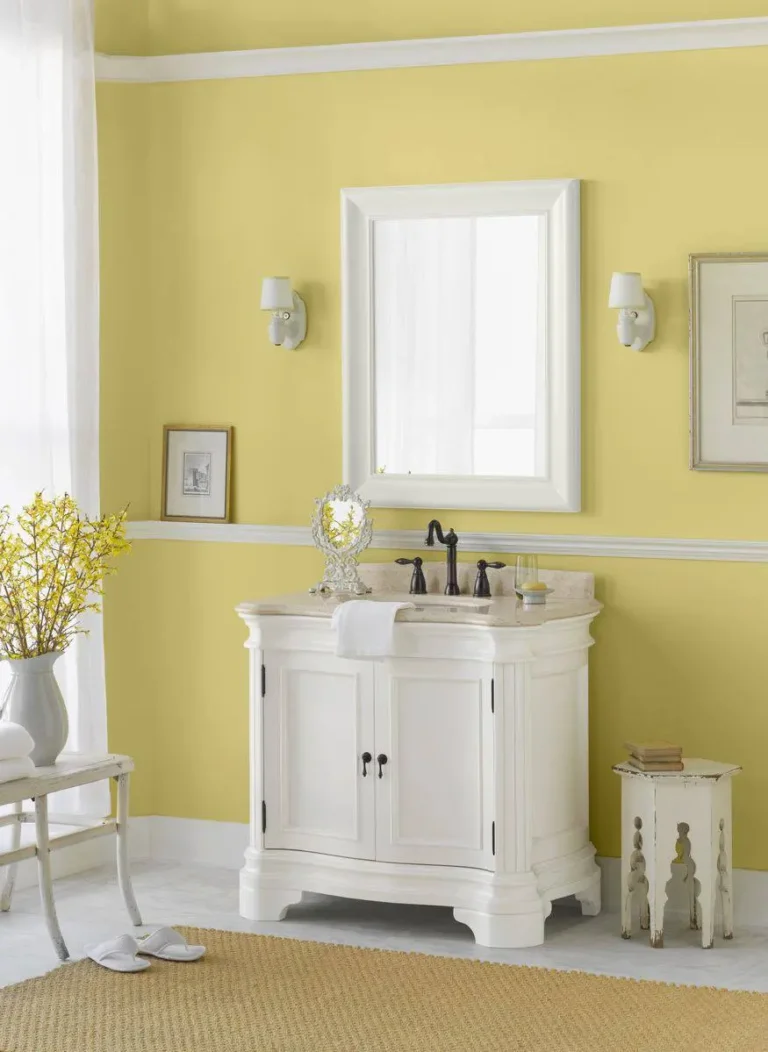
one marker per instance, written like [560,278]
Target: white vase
[34,700]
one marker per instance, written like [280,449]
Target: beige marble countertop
[573,596]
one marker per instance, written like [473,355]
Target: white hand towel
[10,770]
[364,627]
[15,741]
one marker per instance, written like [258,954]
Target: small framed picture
[729,362]
[197,469]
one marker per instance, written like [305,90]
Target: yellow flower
[53,561]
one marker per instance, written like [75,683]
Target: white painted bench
[70,771]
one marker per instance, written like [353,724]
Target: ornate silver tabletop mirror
[341,530]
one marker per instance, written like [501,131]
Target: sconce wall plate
[637,327]
[288,328]
[288,325]
[637,317]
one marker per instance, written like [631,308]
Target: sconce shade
[627,291]
[276,294]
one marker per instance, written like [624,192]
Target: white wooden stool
[70,771]
[659,811]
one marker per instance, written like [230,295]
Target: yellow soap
[534,586]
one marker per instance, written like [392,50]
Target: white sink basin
[443,601]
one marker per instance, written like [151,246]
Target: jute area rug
[258,994]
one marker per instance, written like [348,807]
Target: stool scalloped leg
[660,857]
[723,848]
[704,852]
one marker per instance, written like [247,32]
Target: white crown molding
[511,543]
[445,51]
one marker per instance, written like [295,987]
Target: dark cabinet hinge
[493,695]
[263,681]
[263,816]
[493,838]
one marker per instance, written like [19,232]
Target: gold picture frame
[197,473]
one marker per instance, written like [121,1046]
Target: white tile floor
[90,909]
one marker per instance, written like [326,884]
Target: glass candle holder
[526,571]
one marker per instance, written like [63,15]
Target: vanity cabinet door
[434,799]
[318,722]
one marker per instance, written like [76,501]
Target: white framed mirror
[462,345]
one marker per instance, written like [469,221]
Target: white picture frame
[558,487]
[197,473]
[728,361]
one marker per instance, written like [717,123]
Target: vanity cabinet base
[453,773]
[506,912]
[504,931]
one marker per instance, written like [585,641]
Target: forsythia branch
[53,562]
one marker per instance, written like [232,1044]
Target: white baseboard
[191,841]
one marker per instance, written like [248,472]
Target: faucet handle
[482,588]
[418,581]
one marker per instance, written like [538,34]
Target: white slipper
[168,945]
[119,955]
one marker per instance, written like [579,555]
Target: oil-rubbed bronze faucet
[482,589]
[418,580]
[450,540]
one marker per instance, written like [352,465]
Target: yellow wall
[122,27]
[229,192]
[123,119]
[664,664]
[235,195]
[125,381]
[220,25]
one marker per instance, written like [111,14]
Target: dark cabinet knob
[381,759]
[366,758]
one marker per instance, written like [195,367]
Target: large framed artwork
[197,468]
[729,362]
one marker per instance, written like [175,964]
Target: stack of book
[655,756]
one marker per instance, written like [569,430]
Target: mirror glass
[459,345]
[342,523]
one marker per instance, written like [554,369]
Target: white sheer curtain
[459,345]
[49,293]
[424,332]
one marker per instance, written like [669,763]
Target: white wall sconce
[637,318]
[288,327]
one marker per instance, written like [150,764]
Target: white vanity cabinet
[424,795]
[452,773]
[434,801]
[317,718]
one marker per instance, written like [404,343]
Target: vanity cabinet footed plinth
[452,773]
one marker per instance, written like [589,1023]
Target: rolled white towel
[10,770]
[15,741]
